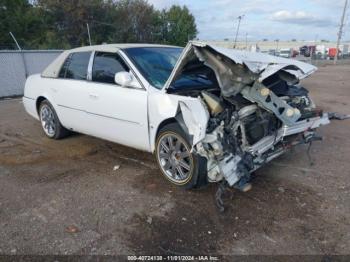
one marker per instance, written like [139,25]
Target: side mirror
[126,79]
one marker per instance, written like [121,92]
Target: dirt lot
[50,188]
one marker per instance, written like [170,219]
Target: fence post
[22,55]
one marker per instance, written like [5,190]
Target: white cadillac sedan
[209,114]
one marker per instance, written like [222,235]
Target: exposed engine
[242,136]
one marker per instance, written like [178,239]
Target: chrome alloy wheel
[47,119]
[175,158]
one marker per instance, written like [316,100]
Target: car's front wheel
[174,157]
[49,121]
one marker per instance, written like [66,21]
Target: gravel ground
[64,197]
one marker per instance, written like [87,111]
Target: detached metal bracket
[258,93]
[219,202]
[338,116]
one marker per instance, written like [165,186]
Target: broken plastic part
[213,103]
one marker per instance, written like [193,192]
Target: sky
[271,19]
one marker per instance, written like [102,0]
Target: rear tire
[50,123]
[177,164]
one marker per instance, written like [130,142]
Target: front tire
[50,123]
[177,163]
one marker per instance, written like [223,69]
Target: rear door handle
[93,96]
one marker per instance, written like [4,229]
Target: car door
[70,92]
[116,113]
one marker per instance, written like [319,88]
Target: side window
[106,65]
[75,66]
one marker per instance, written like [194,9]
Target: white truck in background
[321,52]
[285,52]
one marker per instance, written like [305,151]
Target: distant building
[265,45]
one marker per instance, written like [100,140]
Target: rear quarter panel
[36,87]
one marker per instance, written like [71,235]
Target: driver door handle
[93,96]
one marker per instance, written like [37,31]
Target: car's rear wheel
[49,121]
[176,161]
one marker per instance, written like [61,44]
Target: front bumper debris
[267,142]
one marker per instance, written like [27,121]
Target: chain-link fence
[16,66]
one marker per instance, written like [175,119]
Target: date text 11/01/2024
[173,258]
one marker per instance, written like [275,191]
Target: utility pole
[277,41]
[340,32]
[88,30]
[239,23]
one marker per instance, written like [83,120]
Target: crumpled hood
[227,64]
[265,65]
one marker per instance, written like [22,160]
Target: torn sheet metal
[194,113]
[195,120]
[227,64]
[232,77]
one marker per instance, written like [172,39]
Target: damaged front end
[257,108]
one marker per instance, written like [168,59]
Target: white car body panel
[118,114]
[165,106]
[34,88]
[62,94]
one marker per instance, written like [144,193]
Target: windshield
[154,63]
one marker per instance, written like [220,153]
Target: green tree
[61,24]
[109,21]
[137,21]
[19,17]
[68,18]
[180,25]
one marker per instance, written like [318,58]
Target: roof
[113,47]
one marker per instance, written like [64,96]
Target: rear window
[75,66]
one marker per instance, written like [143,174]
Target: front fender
[165,106]
[195,117]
